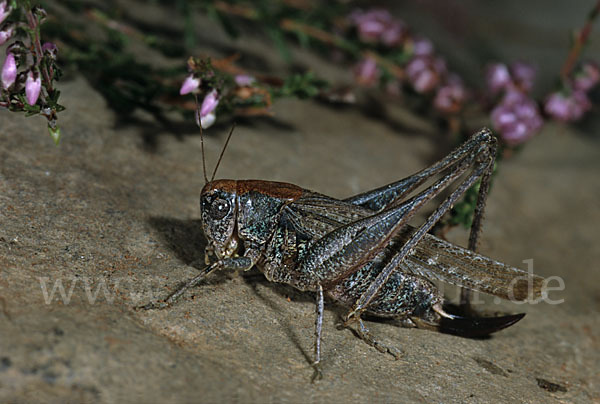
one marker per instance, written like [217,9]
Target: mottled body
[361,251]
[286,232]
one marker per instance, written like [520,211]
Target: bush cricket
[361,251]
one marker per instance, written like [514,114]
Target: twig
[580,41]
[236,9]
[294,26]
[391,67]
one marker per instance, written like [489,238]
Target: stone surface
[113,218]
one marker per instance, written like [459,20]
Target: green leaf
[54,134]
[301,85]
[303,39]
[277,37]
[462,213]
[54,96]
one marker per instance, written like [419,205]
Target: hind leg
[363,333]
[403,296]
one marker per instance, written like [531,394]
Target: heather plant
[385,53]
[29,70]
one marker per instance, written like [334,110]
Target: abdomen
[403,294]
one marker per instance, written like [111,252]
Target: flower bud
[422,47]
[378,25]
[209,104]
[50,49]
[424,73]
[190,85]
[243,80]
[9,71]
[208,120]
[523,75]
[6,33]
[39,13]
[567,108]
[516,118]
[497,77]
[557,106]
[450,97]
[394,33]
[370,24]
[5,10]
[33,85]
[587,77]
[366,72]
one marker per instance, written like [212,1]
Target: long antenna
[223,151]
[199,122]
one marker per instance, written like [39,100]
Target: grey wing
[433,258]
[314,215]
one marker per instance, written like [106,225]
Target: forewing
[438,259]
[314,215]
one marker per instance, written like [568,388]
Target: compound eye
[219,208]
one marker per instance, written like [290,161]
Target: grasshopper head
[218,210]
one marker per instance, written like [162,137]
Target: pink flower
[190,85]
[208,120]
[366,72]
[516,118]
[424,73]
[50,48]
[33,85]
[587,77]
[497,77]
[378,25]
[422,47]
[451,96]
[209,103]
[393,34]
[244,80]
[523,75]
[557,106]
[370,24]
[206,115]
[6,34]
[9,71]
[5,10]
[567,108]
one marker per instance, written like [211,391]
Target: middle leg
[318,331]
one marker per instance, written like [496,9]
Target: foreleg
[234,263]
